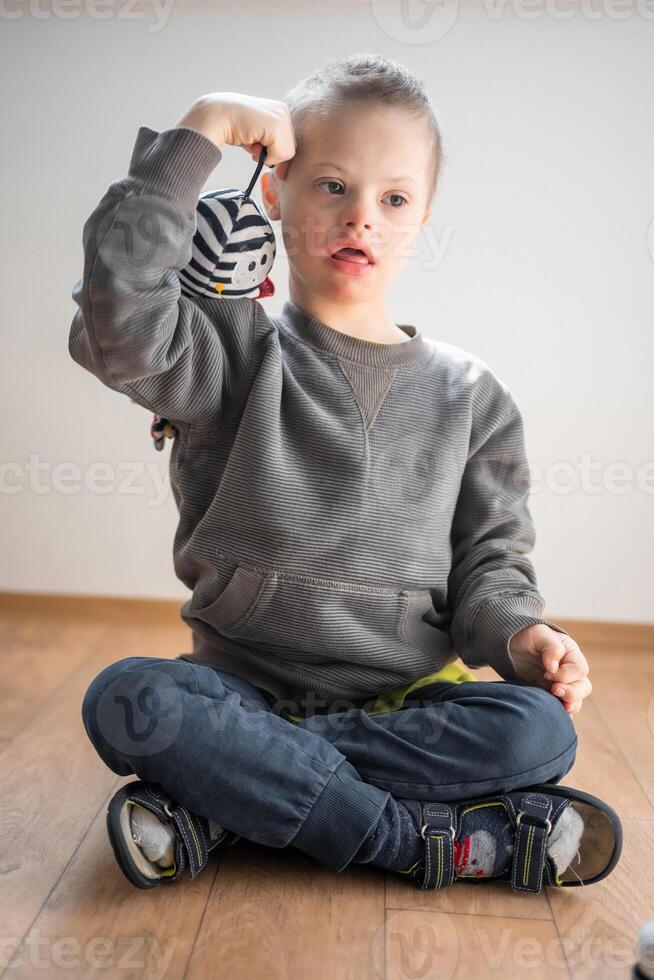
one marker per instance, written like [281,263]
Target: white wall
[543,215]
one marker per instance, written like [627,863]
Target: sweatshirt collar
[313,331]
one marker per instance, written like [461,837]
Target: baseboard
[623,635]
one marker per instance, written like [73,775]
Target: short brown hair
[368,78]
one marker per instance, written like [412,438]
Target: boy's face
[361,174]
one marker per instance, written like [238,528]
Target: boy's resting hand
[246,121]
[545,658]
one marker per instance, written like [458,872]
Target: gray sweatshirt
[353,515]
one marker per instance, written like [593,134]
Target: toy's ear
[233,247]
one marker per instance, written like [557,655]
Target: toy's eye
[250,268]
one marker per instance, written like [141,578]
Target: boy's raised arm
[133,329]
[492,586]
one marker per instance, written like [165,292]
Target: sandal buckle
[548,822]
[425,828]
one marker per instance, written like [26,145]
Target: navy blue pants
[217,744]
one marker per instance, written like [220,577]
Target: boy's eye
[339,183]
[332,182]
[401,199]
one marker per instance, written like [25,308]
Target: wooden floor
[261,913]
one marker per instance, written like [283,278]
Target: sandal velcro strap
[535,817]
[438,830]
[534,813]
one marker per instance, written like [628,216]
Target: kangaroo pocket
[320,620]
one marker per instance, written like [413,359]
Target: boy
[353,517]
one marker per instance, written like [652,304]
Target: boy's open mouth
[352,253]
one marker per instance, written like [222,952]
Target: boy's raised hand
[247,121]
[547,658]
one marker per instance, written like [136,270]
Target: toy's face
[252,267]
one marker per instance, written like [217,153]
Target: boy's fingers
[553,648]
[570,703]
[272,152]
[566,673]
[572,692]
[280,149]
[570,665]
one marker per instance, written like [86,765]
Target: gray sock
[394,843]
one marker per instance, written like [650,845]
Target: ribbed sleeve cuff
[174,163]
[496,622]
[341,819]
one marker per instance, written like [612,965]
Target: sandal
[195,836]
[534,812]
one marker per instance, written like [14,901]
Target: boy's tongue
[351,255]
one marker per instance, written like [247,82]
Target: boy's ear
[270,195]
